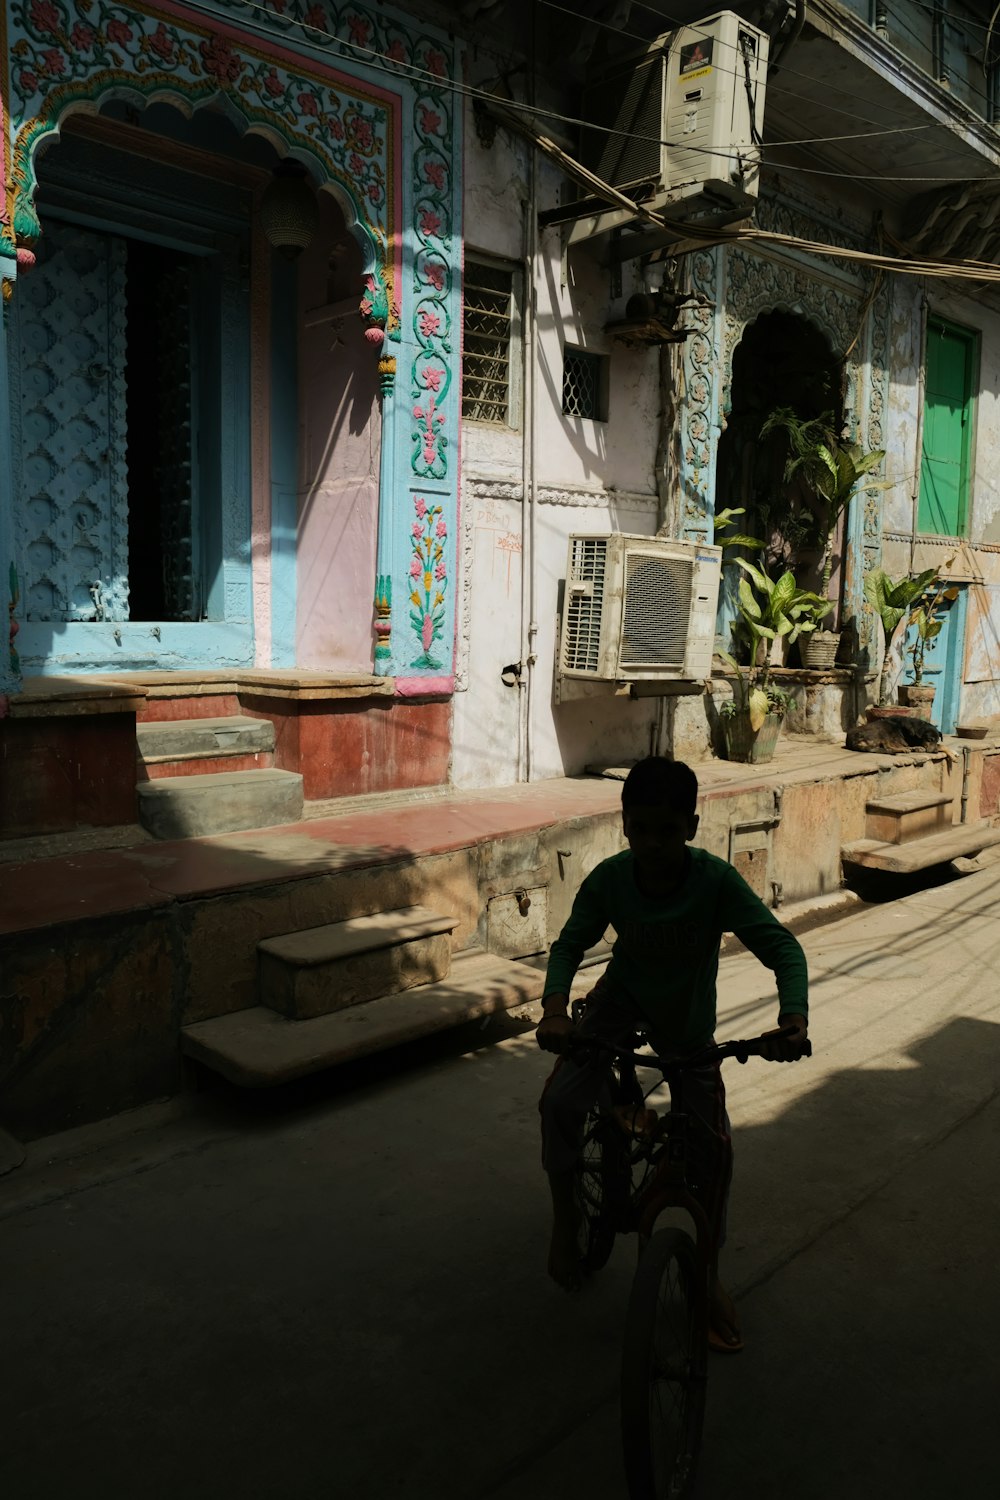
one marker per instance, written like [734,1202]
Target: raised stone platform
[322,969]
[190,807]
[257,1048]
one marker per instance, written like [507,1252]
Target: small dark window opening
[584,385]
[159,375]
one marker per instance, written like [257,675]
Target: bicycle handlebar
[715,1052]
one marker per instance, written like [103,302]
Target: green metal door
[944,466]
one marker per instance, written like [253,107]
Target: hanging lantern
[289,213]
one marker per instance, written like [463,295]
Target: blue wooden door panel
[70,430]
[69,447]
[943,662]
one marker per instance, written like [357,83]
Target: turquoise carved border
[352,92]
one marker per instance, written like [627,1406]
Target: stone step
[189,807]
[956,841]
[325,969]
[902,816]
[167,743]
[258,1048]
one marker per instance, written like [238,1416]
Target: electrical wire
[967,83]
[736,73]
[970,270]
[386,64]
[675,22]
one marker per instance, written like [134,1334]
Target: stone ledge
[126,692]
[959,840]
[66,697]
[258,682]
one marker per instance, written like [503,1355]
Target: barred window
[584,384]
[490,329]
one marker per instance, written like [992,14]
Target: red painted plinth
[62,773]
[347,748]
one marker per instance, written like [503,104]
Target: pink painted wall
[339,436]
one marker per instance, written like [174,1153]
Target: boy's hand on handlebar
[553,1032]
[786,1041]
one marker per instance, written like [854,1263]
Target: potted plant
[927,620]
[784,612]
[751,720]
[890,602]
[830,467]
[724,536]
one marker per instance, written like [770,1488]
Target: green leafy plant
[929,624]
[891,601]
[755,695]
[829,466]
[726,518]
[782,610]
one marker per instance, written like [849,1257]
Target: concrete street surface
[340,1291]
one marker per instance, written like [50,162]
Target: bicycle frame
[668,1186]
[667,1150]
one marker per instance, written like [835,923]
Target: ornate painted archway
[341,89]
[737,285]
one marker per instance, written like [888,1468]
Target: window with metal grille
[489,332]
[584,384]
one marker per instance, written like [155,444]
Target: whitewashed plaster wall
[978,565]
[589,476]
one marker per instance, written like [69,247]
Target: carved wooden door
[68,401]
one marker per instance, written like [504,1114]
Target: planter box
[819,649]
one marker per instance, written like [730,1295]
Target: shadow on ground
[348,1298]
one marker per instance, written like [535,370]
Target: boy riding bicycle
[669,906]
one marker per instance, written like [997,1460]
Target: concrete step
[902,816]
[258,1048]
[325,969]
[956,841]
[188,807]
[171,747]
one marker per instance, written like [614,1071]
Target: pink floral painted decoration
[429,575]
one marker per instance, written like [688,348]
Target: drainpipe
[921,393]
[529,620]
[966,757]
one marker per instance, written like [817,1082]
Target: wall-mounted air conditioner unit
[638,609]
[686,115]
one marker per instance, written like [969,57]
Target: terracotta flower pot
[919,696]
[888,711]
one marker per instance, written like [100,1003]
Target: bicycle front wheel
[600,1188]
[664,1371]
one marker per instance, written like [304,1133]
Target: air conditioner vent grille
[582,635]
[657,610]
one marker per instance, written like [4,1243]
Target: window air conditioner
[638,609]
[686,114]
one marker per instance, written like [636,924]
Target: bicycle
[631,1168]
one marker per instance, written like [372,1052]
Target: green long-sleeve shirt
[666,952]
